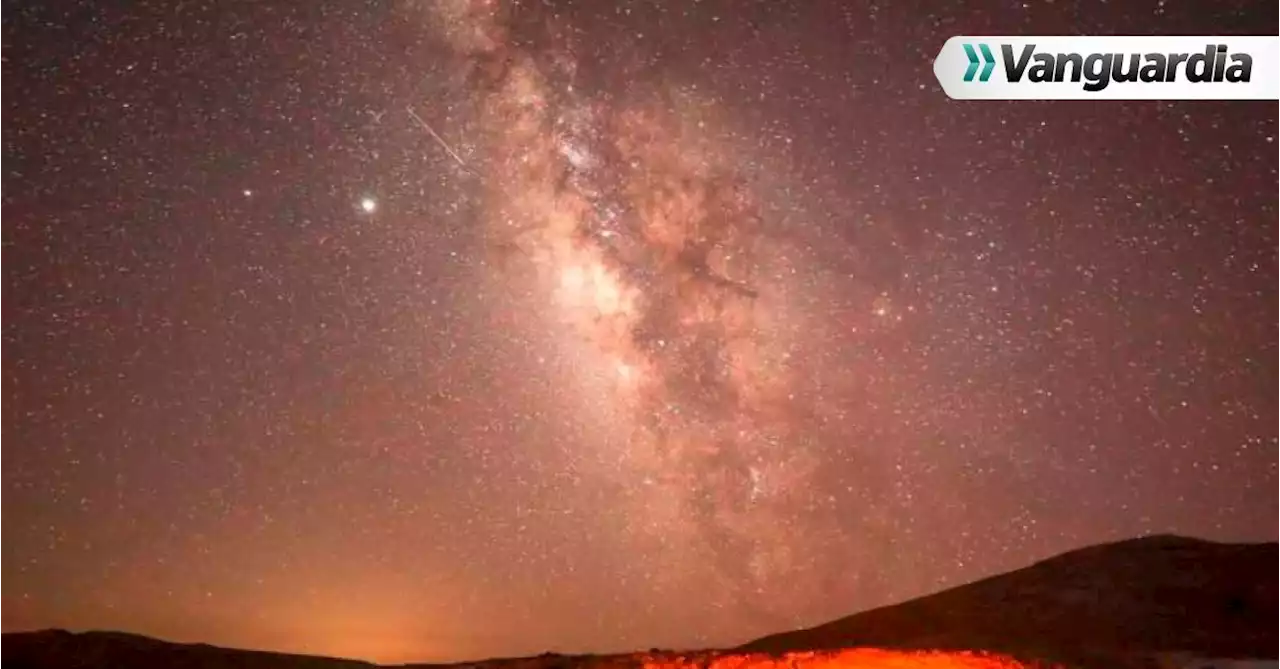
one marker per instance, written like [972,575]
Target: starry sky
[445,329]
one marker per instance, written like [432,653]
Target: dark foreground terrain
[1150,602]
[1144,596]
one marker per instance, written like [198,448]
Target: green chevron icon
[987,57]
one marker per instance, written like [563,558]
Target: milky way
[457,328]
[648,247]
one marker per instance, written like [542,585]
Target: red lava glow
[859,658]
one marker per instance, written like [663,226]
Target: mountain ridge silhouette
[1103,605]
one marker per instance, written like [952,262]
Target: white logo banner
[1110,68]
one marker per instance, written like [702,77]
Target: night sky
[443,329]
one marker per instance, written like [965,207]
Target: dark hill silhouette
[1111,606]
[58,649]
[1152,594]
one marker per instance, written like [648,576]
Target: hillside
[58,649]
[1150,602]
[1147,595]
[103,650]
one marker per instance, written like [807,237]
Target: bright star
[368,205]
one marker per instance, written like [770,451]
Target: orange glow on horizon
[855,658]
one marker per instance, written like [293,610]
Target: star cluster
[439,329]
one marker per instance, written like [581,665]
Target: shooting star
[439,140]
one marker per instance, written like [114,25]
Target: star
[691,325]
